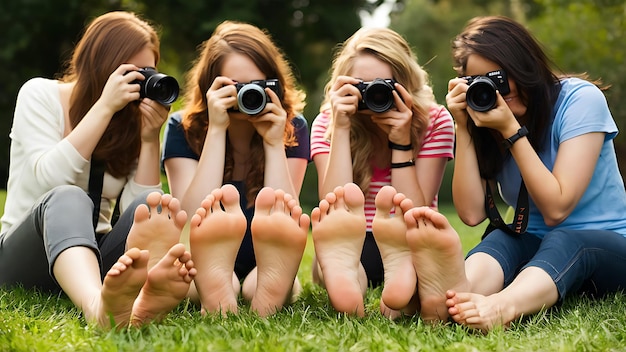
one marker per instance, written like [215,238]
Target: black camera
[157,86]
[251,97]
[376,95]
[481,93]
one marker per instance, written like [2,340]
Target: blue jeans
[590,261]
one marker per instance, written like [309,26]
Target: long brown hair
[391,48]
[241,38]
[109,41]
[510,45]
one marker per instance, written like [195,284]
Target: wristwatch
[508,142]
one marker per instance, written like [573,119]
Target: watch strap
[508,142]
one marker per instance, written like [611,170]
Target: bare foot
[338,236]
[437,259]
[154,230]
[167,284]
[121,286]
[390,234]
[409,310]
[215,238]
[279,233]
[479,312]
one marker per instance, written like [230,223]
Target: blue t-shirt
[580,108]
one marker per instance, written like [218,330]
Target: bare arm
[557,193]
[468,190]
[335,169]
[153,117]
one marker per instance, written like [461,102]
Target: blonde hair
[389,47]
[236,37]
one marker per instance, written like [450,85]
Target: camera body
[251,97]
[376,95]
[481,93]
[158,86]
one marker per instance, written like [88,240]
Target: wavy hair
[107,42]
[232,37]
[391,48]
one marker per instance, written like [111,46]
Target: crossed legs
[141,286]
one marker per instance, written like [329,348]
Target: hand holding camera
[376,95]
[157,86]
[481,93]
[251,97]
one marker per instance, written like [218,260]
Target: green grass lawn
[31,321]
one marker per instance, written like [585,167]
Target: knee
[561,238]
[70,194]
[69,191]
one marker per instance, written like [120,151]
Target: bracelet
[508,142]
[404,164]
[392,145]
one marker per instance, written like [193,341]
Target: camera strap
[96,180]
[520,221]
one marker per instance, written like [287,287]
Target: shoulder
[175,119]
[579,88]
[322,119]
[38,87]
[175,143]
[299,122]
[174,128]
[440,118]
[439,112]
[39,98]
[581,108]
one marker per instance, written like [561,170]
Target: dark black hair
[510,45]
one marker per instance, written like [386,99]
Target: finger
[404,94]
[342,81]
[273,97]
[223,82]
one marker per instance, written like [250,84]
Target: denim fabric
[590,261]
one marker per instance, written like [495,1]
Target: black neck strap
[96,178]
[520,221]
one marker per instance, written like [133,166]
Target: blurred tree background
[580,35]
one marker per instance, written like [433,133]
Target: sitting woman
[238,150]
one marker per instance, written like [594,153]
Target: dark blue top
[175,145]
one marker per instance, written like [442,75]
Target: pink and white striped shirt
[438,143]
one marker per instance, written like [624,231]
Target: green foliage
[588,37]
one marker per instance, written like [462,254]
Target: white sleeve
[132,189]
[37,138]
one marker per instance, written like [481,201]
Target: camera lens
[157,86]
[251,99]
[481,94]
[378,96]
[161,88]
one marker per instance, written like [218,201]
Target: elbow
[471,219]
[555,217]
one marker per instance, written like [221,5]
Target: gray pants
[61,219]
